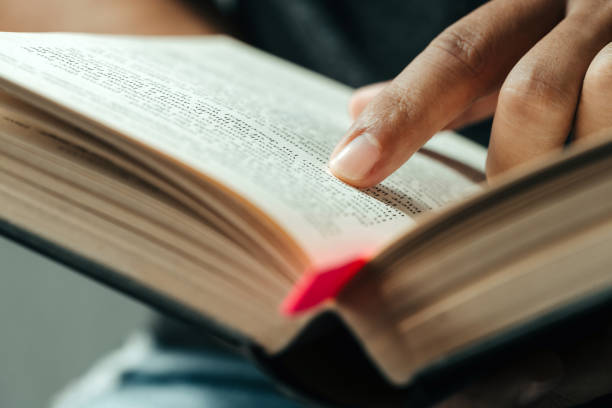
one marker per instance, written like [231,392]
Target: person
[541,69]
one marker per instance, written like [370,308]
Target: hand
[542,67]
[569,378]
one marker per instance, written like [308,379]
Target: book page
[261,126]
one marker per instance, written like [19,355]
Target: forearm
[163,17]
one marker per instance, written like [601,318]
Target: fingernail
[357,158]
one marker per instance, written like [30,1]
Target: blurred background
[54,324]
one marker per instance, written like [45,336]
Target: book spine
[317,286]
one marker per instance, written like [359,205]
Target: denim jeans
[144,373]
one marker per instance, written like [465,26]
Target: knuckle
[401,105]
[532,95]
[463,47]
[590,9]
[598,78]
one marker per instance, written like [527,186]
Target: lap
[147,373]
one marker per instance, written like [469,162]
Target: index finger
[468,60]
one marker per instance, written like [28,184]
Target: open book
[194,169]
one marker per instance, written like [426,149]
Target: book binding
[317,286]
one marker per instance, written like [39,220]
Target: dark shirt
[356,42]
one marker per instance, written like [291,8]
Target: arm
[162,17]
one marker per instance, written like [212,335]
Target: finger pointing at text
[525,61]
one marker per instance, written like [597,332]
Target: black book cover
[325,364]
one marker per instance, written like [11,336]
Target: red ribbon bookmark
[316,287]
